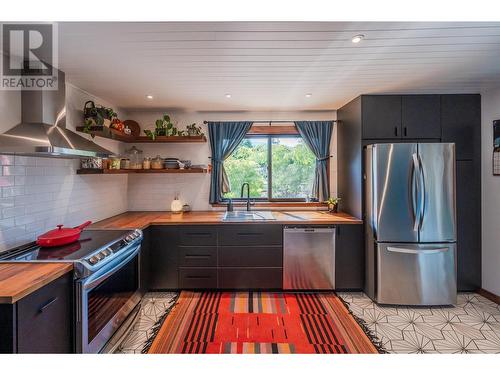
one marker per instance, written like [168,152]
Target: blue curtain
[317,135]
[224,138]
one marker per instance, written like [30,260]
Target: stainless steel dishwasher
[309,258]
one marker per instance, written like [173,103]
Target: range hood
[42,131]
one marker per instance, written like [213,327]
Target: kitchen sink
[248,216]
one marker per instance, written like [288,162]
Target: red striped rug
[260,322]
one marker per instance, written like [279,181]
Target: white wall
[155,192]
[38,193]
[490,102]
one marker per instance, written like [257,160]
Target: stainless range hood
[42,131]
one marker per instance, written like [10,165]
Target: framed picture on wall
[496,148]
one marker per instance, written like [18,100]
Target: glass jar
[157,163]
[114,163]
[125,163]
[146,163]
[135,156]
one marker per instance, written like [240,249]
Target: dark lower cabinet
[164,262]
[250,278]
[468,226]
[198,278]
[145,259]
[251,256]
[41,322]
[349,257]
[249,235]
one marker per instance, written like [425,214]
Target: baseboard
[491,296]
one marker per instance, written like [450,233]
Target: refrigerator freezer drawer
[416,274]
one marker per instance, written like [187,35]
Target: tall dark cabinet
[372,119]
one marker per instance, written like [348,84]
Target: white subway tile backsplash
[24,160]
[39,193]
[34,171]
[12,191]
[6,224]
[14,170]
[13,212]
[6,159]
[7,181]
[6,203]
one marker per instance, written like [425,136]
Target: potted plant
[97,115]
[163,128]
[333,204]
[194,130]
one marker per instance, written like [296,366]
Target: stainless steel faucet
[248,194]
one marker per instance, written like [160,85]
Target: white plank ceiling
[273,65]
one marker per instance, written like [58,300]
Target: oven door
[105,299]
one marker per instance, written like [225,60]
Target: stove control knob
[108,252]
[93,260]
[129,238]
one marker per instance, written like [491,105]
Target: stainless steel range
[107,282]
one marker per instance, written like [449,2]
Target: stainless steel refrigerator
[410,223]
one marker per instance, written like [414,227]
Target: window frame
[284,132]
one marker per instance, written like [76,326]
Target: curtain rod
[271,121]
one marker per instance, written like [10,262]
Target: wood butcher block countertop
[142,219]
[17,280]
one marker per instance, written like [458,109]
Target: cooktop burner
[90,241]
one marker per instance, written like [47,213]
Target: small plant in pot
[163,128]
[194,130]
[97,115]
[333,204]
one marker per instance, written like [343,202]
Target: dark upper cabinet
[461,123]
[381,116]
[468,226]
[164,260]
[421,116]
[41,322]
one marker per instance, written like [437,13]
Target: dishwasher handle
[309,230]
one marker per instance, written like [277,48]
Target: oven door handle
[93,280]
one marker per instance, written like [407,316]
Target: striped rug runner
[260,322]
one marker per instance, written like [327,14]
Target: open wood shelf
[139,171]
[104,132]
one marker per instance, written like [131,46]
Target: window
[277,168]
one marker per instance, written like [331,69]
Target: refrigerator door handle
[423,193]
[417,251]
[415,192]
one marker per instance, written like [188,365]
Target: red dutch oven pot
[61,236]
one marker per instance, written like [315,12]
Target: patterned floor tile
[472,326]
[153,306]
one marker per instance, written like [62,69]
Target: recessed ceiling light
[150,97]
[309,95]
[357,38]
[227,96]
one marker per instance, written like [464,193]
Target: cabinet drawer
[198,256]
[198,278]
[252,234]
[44,319]
[204,235]
[251,278]
[251,256]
